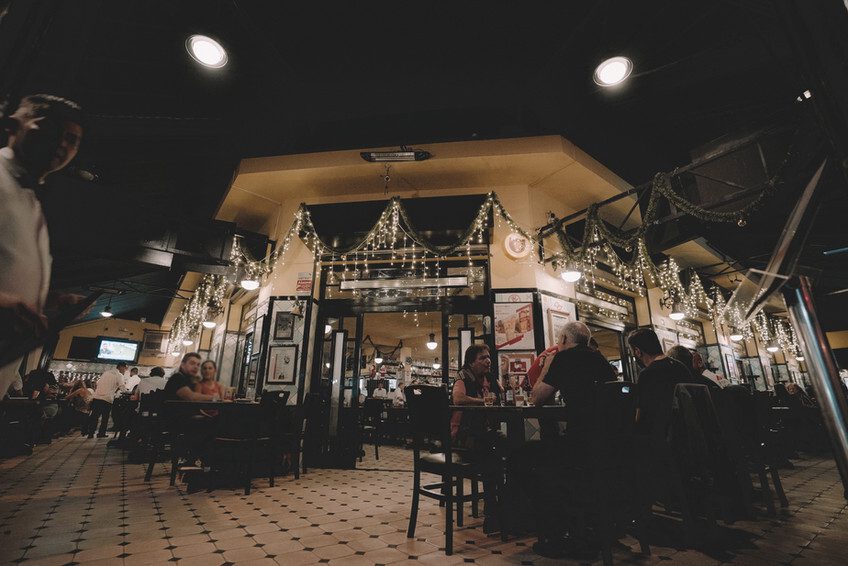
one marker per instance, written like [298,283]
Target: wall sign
[514,326]
[517,246]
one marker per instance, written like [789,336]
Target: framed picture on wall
[557,320]
[283,326]
[668,344]
[282,365]
[257,333]
[252,370]
[731,366]
[514,326]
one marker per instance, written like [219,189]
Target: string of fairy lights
[394,240]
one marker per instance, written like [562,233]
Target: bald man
[574,371]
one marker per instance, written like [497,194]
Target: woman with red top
[208,384]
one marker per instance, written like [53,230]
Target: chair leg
[149,473]
[460,494]
[413,513]
[475,495]
[174,464]
[642,530]
[778,487]
[376,446]
[296,463]
[449,522]
[764,486]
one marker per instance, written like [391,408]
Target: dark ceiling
[165,135]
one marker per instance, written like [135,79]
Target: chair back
[373,409]
[151,404]
[272,397]
[429,413]
[244,421]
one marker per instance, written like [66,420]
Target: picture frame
[284,326]
[252,370]
[257,334]
[514,326]
[668,344]
[557,320]
[282,365]
[730,361]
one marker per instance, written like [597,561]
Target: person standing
[380,391]
[108,384]
[44,135]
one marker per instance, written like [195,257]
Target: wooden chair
[429,416]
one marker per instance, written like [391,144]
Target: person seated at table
[154,382]
[471,387]
[208,384]
[574,371]
[42,386]
[77,412]
[180,386]
[657,380]
[701,369]
[685,357]
[380,391]
[398,397]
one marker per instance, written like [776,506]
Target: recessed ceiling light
[206,51]
[613,71]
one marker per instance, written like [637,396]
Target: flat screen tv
[117,350]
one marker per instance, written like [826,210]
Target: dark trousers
[99,409]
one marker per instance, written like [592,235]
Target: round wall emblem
[517,246]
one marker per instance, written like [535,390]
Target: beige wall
[113,328]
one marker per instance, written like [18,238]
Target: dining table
[515,416]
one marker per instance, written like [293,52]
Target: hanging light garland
[206,303]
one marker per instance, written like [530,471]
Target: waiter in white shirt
[44,134]
[132,380]
[109,383]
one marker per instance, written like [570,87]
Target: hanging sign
[517,246]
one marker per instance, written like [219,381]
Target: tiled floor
[78,502]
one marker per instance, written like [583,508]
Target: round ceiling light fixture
[799,358]
[436,364]
[772,347]
[431,343]
[571,275]
[107,312]
[677,312]
[378,359]
[249,284]
[209,324]
[736,336]
[187,342]
[206,51]
[613,71]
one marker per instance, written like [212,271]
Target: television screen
[117,350]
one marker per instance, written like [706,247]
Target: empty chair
[429,416]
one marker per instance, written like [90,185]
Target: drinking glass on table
[489,398]
[520,398]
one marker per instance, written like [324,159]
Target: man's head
[478,360]
[575,333]
[45,133]
[698,362]
[682,355]
[157,372]
[644,345]
[133,371]
[190,365]
[122,367]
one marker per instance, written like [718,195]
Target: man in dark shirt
[574,371]
[180,386]
[659,376]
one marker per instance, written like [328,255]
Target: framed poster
[283,326]
[252,370]
[557,320]
[515,364]
[514,326]
[282,364]
[731,366]
[257,334]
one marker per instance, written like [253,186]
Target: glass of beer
[489,398]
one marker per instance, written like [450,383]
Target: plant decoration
[395,240]
[206,303]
